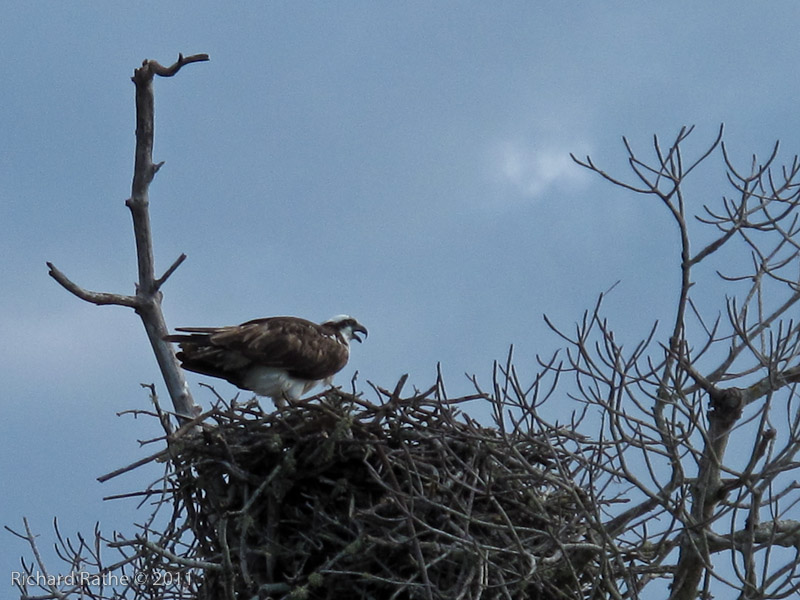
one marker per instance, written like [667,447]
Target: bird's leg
[281,400]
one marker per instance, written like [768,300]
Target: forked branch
[147,300]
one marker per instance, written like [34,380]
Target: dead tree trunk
[147,299]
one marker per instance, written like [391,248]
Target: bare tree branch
[99,298]
[147,300]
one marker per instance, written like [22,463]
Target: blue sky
[406,163]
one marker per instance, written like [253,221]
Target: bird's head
[347,326]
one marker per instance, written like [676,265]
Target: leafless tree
[701,519]
[406,496]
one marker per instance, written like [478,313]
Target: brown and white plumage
[279,357]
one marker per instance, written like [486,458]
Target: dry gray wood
[147,299]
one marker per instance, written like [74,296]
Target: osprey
[279,357]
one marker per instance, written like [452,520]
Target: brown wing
[199,355]
[305,349]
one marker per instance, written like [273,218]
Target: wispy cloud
[533,168]
[66,344]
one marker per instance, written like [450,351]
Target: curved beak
[359,328]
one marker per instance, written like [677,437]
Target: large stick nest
[341,498]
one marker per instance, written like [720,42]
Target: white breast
[277,384]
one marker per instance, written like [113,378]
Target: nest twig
[339,497]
